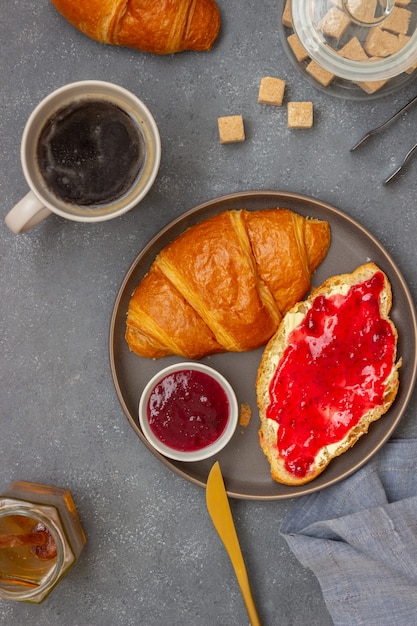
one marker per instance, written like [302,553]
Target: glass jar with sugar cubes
[352,48]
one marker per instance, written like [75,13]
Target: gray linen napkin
[359,537]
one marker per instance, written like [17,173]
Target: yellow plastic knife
[219,509]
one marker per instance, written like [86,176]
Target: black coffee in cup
[90,152]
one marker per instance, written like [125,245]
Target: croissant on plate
[225,283]
[158,26]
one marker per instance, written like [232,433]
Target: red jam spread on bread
[332,372]
[188,410]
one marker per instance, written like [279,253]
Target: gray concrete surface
[152,556]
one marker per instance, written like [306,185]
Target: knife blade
[221,515]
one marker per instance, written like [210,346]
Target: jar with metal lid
[352,48]
[41,537]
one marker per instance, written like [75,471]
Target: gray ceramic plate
[245,469]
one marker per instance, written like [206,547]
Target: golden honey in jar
[41,537]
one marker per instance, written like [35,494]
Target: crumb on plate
[245,415]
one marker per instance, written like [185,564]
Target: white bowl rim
[213,448]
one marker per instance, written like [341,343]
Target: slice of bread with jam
[328,372]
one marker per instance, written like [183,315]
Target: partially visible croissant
[158,26]
[225,283]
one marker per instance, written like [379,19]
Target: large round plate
[245,469]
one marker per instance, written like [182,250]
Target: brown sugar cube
[362,11]
[353,50]
[287,15]
[231,129]
[403,3]
[402,40]
[398,21]
[381,43]
[334,23]
[372,86]
[297,48]
[411,69]
[271,91]
[324,77]
[300,114]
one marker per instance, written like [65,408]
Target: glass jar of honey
[41,537]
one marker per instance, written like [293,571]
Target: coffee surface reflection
[90,152]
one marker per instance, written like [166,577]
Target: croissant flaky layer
[158,26]
[225,283]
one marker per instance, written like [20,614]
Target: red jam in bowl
[332,372]
[188,410]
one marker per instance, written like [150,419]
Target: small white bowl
[200,453]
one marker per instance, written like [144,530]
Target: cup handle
[26,214]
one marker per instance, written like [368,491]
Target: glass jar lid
[358,40]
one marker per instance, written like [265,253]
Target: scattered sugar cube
[353,50]
[403,3]
[231,129]
[297,48]
[287,15]
[324,77]
[334,23]
[271,91]
[398,21]
[300,114]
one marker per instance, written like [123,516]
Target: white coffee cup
[41,201]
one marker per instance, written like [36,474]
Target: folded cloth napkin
[359,537]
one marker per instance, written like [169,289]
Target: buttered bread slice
[328,372]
